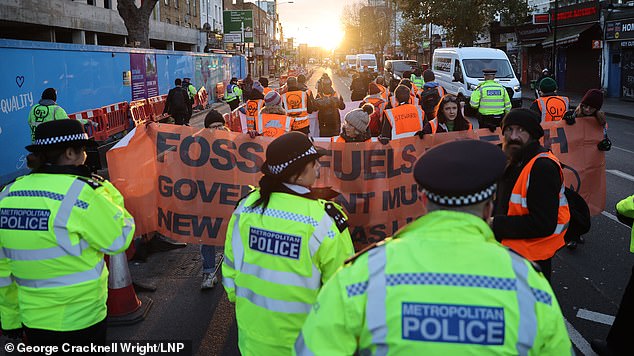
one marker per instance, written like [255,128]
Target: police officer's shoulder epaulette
[97,177]
[253,189]
[536,267]
[336,213]
[92,182]
[366,249]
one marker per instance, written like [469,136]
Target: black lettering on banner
[369,163]
[187,189]
[407,157]
[365,235]
[248,151]
[350,205]
[355,165]
[218,147]
[560,139]
[398,196]
[323,161]
[189,225]
[162,147]
[186,145]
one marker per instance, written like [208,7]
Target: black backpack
[428,101]
[580,222]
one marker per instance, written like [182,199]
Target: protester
[530,216]
[281,247]
[549,105]
[380,83]
[328,103]
[404,120]
[430,95]
[253,105]
[265,85]
[45,110]
[53,279]
[177,104]
[427,290]
[298,103]
[448,119]
[376,99]
[272,120]
[358,87]
[233,94]
[618,341]
[355,125]
[247,85]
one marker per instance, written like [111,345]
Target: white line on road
[618,173]
[622,149]
[595,316]
[612,217]
[578,340]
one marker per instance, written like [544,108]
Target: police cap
[489,71]
[460,173]
[59,134]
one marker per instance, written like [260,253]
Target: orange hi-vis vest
[252,109]
[266,90]
[412,100]
[377,102]
[542,248]
[296,104]
[384,93]
[553,108]
[406,119]
[273,125]
[434,126]
[341,139]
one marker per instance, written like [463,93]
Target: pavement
[613,107]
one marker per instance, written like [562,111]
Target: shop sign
[627,44]
[541,19]
[578,13]
[528,32]
[619,30]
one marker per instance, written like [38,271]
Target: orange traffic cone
[124,307]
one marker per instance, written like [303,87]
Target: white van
[367,63]
[351,62]
[459,70]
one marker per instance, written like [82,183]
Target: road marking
[613,217]
[595,316]
[578,340]
[628,133]
[618,173]
[622,149]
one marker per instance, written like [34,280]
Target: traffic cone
[124,307]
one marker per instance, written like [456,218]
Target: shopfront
[532,56]
[619,34]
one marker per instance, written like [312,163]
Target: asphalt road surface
[588,281]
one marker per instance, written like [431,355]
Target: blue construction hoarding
[88,77]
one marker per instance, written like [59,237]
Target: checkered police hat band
[60,139]
[279,168]
[461,200]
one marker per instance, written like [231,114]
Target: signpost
[238,26]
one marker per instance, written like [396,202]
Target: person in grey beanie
[355,125]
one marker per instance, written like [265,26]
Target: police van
[367,63]
[351,62]
[459,70]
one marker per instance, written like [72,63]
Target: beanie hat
[358,119]
[548,85]
[373,89]
[288,153]
[526,118]
[213,116]
[257,86]
[428,76]
[272,98]
[368,108]
[50,94]
[593,98]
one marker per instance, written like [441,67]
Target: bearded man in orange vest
[531,216]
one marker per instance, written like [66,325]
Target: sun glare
[327,36]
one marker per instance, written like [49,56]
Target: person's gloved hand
[253,133]
[15,334]
[569,117]
[605,144]
[420,134]
[384,140]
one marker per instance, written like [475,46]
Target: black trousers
[233,104]
[95,334]
[620,335]
[486,121]
[179,118]
[546,267]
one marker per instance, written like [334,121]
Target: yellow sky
[315,22]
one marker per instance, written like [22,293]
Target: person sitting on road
[549,105]
[355,125]
[448,118]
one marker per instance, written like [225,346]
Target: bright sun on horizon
[328,35]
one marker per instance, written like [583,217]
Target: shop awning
[567,35]
[531,43]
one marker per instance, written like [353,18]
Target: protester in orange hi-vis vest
[355,125]
[298,104]
[380,83]
[549,105]
[449,118]
[531,216]
[376,99]
[272,120]
[254,104]
[403,120]
[265,84]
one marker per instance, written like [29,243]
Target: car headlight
[517,88]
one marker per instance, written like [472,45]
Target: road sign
[238,24]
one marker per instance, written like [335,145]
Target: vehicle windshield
[404,66]
[367,62]
[352,61]
[474,67]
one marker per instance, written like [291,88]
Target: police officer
[549,105]
[281,247]
[45,110]
[491,100]
[56,223]
[233,94]
[442,285]
[417,79]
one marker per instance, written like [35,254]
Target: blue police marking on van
[275,243]
[494,92]
[24,219]
[461,324]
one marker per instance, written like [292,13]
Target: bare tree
[137,21]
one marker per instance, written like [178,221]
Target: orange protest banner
[185,182]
